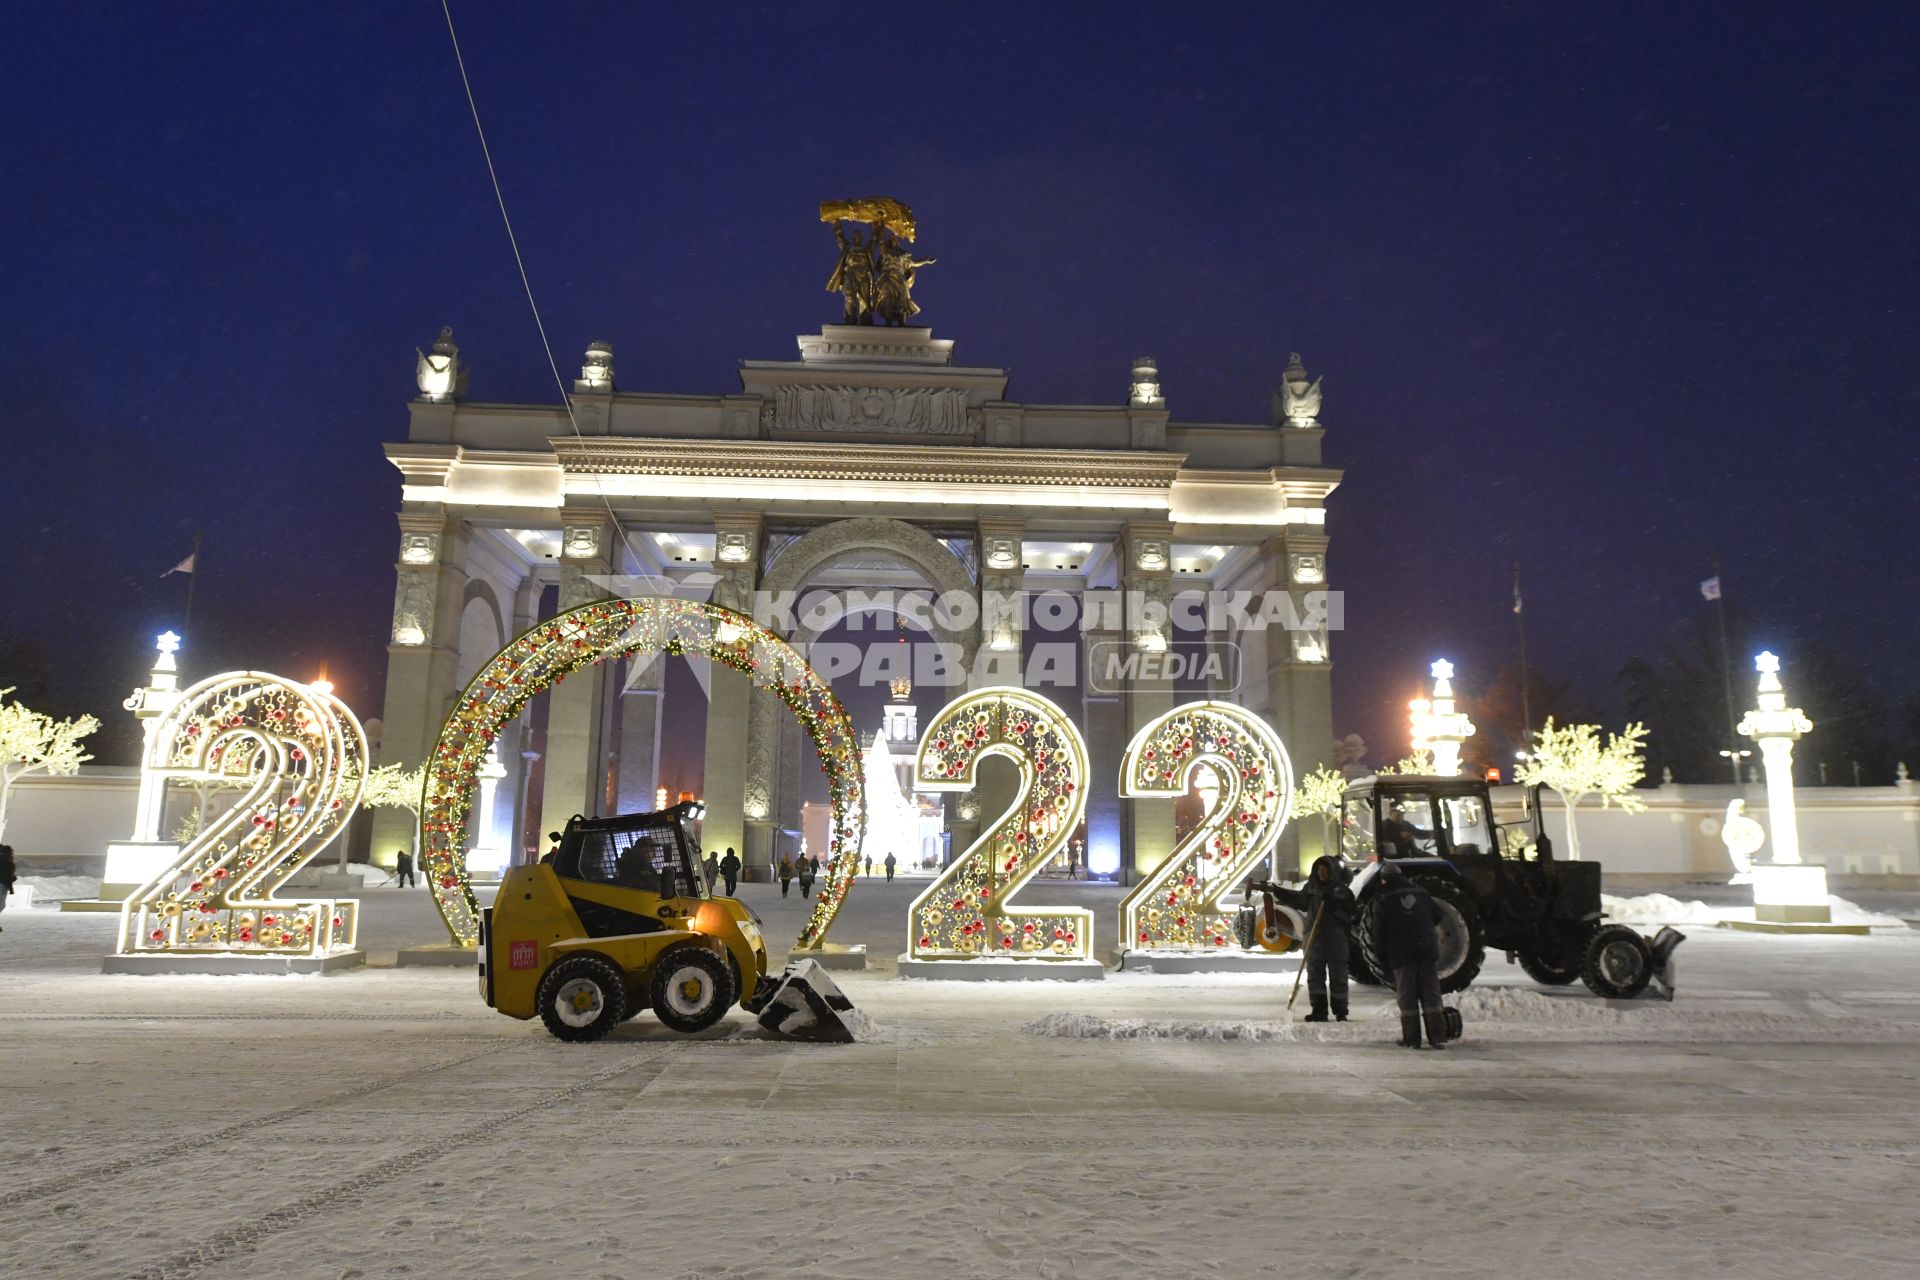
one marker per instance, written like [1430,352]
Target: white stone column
[1299,675]
[423,656]
[1002,627]
[1146,580]
[576,707]
[730,799]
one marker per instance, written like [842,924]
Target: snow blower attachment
[803,1004]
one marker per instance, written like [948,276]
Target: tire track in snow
[223,1245]
[66,1181]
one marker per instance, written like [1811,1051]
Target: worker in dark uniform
[1406,926]
[1327,909]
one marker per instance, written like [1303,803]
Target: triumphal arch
[876,462]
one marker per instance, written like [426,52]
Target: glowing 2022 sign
[297,758]
[588,636]
[1177,906]
[967,912]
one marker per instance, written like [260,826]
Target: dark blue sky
[1604,288]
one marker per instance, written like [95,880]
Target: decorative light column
[1785,890]
[133,861]
[1437,727]
[148,704]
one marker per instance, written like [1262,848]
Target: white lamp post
[1784,888]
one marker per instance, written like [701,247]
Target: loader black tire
[582,998]
[692,988]
[1618,963]
[1549,971]
[1462,946]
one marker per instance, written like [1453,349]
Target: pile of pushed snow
[1493,1014]
[61,888]
[1845,912]
[1659,908]
[1090,1026]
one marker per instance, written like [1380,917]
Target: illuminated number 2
[296,756]
[966,913]
[1177,906]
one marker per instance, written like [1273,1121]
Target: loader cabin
[651,852]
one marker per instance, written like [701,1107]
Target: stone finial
[438,372]
[1146,384]
[596,374]
[1297,401]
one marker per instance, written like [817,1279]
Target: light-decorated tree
[1420,762]
[1573,762]
[393,786]
[32,742]
[1318,795]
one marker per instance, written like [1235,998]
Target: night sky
[1605,289]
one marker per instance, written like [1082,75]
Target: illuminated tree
[393,787]
[1319,795]
[31,742]
[1574,763]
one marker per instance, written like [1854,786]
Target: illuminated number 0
[1177,906]
[966,913]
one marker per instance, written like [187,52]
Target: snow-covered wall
[1857,830]
[68,821]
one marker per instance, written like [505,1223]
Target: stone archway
[769,746]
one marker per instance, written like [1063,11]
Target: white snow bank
[1660,908]
[60,888]
[1512,1014]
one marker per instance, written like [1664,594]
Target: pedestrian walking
[403,868]
[712,869]
[786,875]
[809,868]
[889,865]
[869,864]
[730,870]
[1406,928]
[1329,916]
[9,873]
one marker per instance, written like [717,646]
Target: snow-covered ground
[383,1122]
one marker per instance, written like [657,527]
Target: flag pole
[1520,625]
[1726,670]
[193,576]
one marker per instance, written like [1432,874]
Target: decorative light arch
[590,635]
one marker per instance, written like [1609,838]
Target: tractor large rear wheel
[1549,971]
[692,988]
[1462,950]
[582,998]
[1358,967]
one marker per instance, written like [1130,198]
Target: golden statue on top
[875,272]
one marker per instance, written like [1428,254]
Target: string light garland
[966,913]
[1177,906]
[592,635]
[298,758]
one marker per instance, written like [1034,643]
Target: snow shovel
[804,1004]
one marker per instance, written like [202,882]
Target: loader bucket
[1663,946]
[804,1004]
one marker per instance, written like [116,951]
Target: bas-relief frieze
[931,411]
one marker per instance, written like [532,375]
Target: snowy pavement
[383,1122]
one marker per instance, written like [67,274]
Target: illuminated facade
[873,461]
